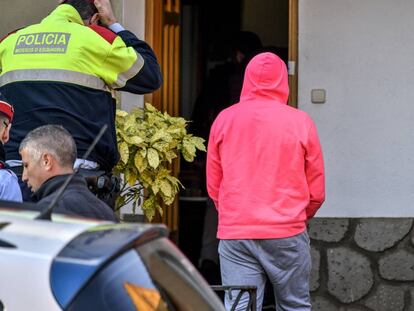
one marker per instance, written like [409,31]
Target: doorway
[213,34]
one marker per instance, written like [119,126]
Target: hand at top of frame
[106,14]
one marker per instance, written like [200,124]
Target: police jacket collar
[64,12]
[53,184]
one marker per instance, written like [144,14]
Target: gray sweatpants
[286,262]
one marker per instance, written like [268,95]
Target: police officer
[63,70]
[9,187]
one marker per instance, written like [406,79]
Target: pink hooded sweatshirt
[265,168]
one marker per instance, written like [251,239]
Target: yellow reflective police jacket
[62,72]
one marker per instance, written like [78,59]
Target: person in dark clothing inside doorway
[224,82]
[48,154]
[221,90]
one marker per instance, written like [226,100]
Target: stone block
[328,229]
[386,298]
[322,304]
[373,234]
[349,274]
[397,266]
[411,306]
[412,238]
[314,276]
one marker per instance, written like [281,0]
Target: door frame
[158,14]
[162,33]
[293,52]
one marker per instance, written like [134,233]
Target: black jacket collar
[53,184]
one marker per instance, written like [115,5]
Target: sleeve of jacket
[214,169]
[315,172]
[134,63]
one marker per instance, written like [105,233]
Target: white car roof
[27,249]
[43,237]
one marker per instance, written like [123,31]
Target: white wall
[132,16]
[133,19]
[362,53]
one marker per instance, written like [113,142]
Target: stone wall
[362,264]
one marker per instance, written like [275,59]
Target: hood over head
[266,78]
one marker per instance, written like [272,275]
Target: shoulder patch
[105,33]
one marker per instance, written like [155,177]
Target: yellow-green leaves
[190,144]
[124,152]
[148,141]
[140,163]
[153,158]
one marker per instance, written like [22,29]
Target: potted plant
[148,142]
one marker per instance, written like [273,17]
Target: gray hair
[53,139]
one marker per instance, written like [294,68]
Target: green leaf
[146,177]
[120,201]
[159,208]
[166,188]
[138,112]
[130,122]
[189,147]
[161,135]
[162,174]
[132,178]
[150,107]
[148,207]
[140,163]
[121,113]
[134,140]
[143,152]
[198,143]
[175,182]
[170,155]
[187,156]
[153,157]
[155,188]
[124,152]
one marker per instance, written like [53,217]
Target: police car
[76,264]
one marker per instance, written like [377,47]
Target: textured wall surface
[359,52]
[362,264]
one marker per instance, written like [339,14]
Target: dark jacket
[76,199]
[62,72]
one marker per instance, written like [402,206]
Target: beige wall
[269,18]
[19,13]
[131,13]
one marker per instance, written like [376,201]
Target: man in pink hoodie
[265,174]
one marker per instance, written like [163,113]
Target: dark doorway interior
[212,72]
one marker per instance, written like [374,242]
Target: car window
[177,278]
[124,284]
